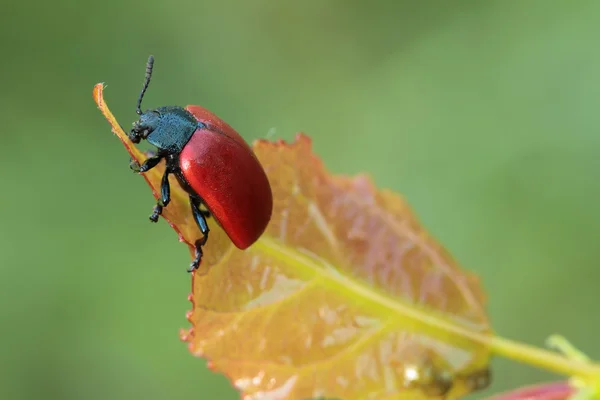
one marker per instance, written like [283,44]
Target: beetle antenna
[149,66]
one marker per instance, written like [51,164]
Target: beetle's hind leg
[200,218]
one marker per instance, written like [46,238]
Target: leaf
[546,391]
[344,296]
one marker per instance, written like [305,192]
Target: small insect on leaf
[344,296]
[177,213]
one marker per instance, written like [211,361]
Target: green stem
[542,358]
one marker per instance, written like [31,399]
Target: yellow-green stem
[527,354]
[542,358]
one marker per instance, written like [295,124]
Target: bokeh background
[483,114]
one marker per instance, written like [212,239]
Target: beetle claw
[196,262]
[135,166]
[156,212]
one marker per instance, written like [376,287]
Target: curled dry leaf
[345,295]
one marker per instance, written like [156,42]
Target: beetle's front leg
[165,195]
[165,189]
[147,165]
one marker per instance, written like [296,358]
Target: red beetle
[212,163]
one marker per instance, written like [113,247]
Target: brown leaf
[344,296]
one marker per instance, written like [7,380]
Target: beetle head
[143,127]
[168,128]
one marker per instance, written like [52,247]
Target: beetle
[212,163]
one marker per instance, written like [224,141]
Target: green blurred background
[484,114]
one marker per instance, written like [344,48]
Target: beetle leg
[165,194]
[201,222]
[149,163]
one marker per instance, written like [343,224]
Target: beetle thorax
[168,128]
